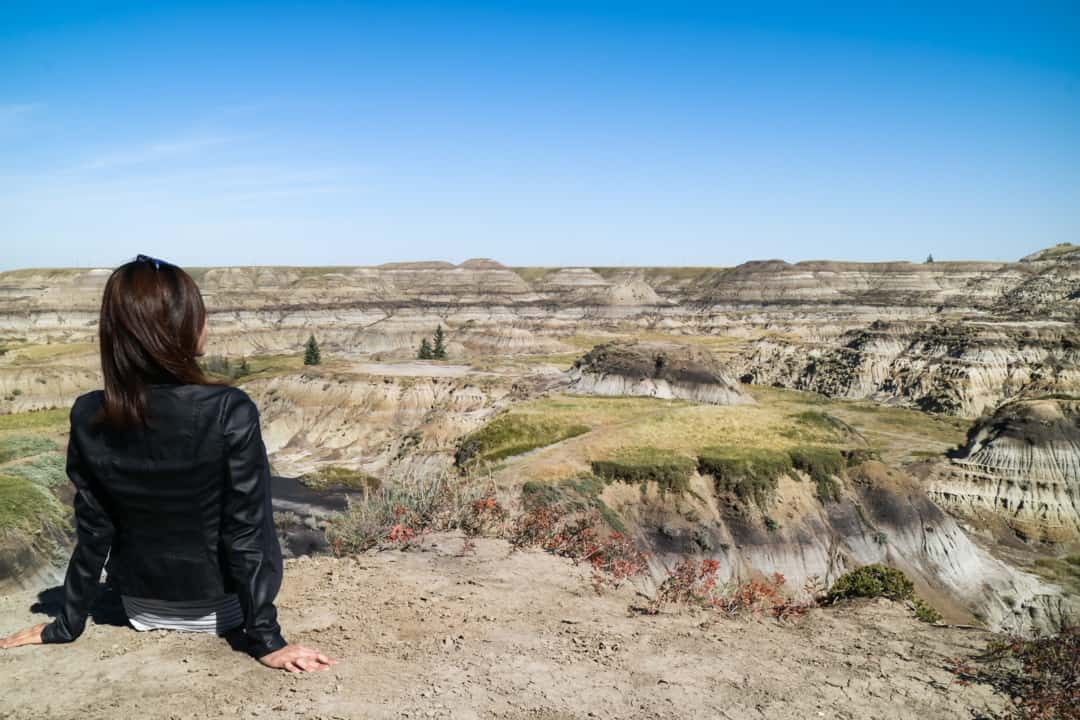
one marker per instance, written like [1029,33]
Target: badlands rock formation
[956,367]
[813,322]
[1023,465]
[956,337]
[381,425]
[649,369]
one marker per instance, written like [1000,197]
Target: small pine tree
[312,356]
[930,258]
[425,350]
[244,368]
[439,351]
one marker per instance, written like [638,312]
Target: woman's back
[164,485]
[172,481]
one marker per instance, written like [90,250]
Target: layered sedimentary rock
[651,369]
[1021,465]
[852,329]
[956,367]
[881,515]
[382,425]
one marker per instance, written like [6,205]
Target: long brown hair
[152,315]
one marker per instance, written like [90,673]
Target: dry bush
[694,582]
[402,511]
[583,537]
[1041,675]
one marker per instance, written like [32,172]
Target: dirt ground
[434,633]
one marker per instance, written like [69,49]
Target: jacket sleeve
[93,537]
[250,544]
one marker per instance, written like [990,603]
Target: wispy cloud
[12,113]
[152,152]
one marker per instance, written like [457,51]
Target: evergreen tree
[930,258]
[312,356]
[425,350]
[244,368]
[439,351]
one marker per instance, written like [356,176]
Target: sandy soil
[433,633]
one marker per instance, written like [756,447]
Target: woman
[172,481]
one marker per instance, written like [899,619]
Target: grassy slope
[781,420]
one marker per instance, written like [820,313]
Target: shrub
[872,581]
[580,536]
[925,611]
[694,582]
[401,512]
[536,494]
[1041,674]
[691,582]
[751,473]
[571,495]
[483,516]
[669,470]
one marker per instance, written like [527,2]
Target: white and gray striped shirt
[207,616]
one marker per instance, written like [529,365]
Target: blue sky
[536,133]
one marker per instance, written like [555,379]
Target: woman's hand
[29,636]
[297,659]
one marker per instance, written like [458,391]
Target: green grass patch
[12,448]
[335,476]
[667,469]
[49,470]
[25,506]
[817,426]
[750,473]
[512,434]
[823,465]
[53,418]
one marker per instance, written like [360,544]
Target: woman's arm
[251,544]
[254,560]
[94,534]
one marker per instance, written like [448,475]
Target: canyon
[827,415]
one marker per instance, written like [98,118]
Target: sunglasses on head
[156,262]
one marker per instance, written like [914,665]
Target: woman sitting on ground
[172,481]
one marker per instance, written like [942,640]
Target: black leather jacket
[182,504]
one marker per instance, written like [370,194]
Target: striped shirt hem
[206,616]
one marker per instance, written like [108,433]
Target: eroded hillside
[954,337]
[805,419]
